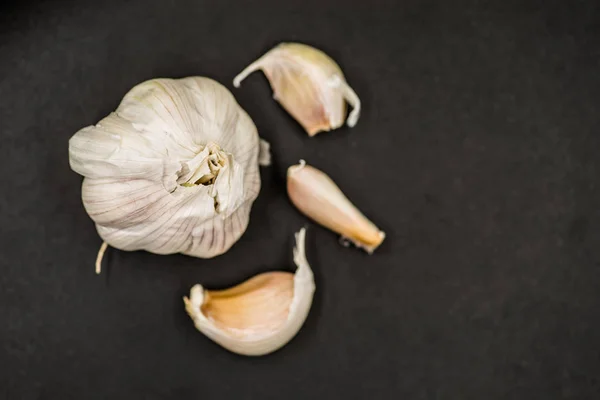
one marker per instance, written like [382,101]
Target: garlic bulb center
[209,162]
[216,169]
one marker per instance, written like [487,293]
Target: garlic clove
[259,315]
[318,197]
[308,84]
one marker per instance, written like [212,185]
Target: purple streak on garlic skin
[318,197]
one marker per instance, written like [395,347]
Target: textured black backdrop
[477,152]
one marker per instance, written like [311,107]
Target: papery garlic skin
[308,84]
[260,315]
[173,170]
[318,197]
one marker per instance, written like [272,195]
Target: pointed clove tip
[313,131]
[237,80]
[354,116]
[196,298]
[301,238]
[188,306]
[295,168]
[371,249]
[352,121]
[316,129]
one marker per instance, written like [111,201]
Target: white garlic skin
[260,315]
[137,162]
[308,84]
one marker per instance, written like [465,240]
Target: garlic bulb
[261,314]
[318,197]
[173,170]
[308,84]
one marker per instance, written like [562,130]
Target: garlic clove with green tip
[318,197]
[260,315]
[309,85]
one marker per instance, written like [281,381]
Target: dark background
[477,153]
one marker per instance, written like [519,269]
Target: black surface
[477,153]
